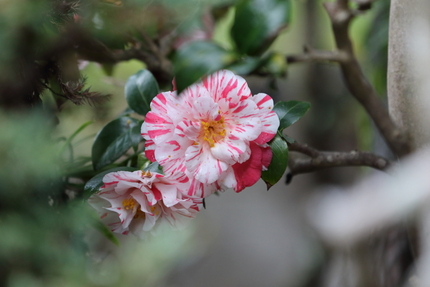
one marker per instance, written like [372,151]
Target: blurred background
[258,237]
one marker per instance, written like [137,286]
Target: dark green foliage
[290,112]
[114,140]
[197,59]
[279,161]
[257,23]
[41,233]
[139,91]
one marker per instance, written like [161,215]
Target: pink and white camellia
[137,201]
[215,132]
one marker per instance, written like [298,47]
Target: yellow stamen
[129,203]
[146,173]
[213,131]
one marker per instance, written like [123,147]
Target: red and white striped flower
[138,201]
[215,132]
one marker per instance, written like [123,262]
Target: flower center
[129,203]
[213,131]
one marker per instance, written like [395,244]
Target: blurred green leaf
[142,161]
[112,141]
[93,185]
[155,167]
[69,140]
[279,161]
[290,112]
[257,23]
[289,139]
[276,65]
[245,66]
[106,232]
[198,59]
[140,89]
[135,135]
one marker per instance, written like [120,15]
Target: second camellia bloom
[215,133]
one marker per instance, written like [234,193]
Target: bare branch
[312,55]
[323,159]
[341,16]
[91,49]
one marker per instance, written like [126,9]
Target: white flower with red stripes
[215,132]
[139,201]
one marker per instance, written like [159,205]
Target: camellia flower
[137,201]
[215,132]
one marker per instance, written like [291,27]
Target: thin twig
[324,159]
[312,55]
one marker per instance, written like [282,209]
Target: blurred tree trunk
[407,80]
[404,78]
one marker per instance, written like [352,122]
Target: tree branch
[323,159]
[91,49]
[341,15]
[312,55]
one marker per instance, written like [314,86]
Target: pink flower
[215,133]
[137,201]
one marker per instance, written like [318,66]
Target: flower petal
[226,85]
[269,119]
[231,151]
[202,165]
[249,172]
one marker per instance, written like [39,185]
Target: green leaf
[279,162]
[139,91]
[69,140]
[257,23]
[276,65]
[93,185]
[245,65]
[289,140]
[198,59]
[142,161]
[103,229]
[112,141]
[135,135]
[155,167]
[290,112]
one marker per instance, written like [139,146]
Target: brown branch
[312,55]
[324,159]
[91,49]
[341,15]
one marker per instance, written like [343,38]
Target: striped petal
[269,119]
[202,165]
[231,151]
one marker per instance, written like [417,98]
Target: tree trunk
[408,68]
[408,93]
